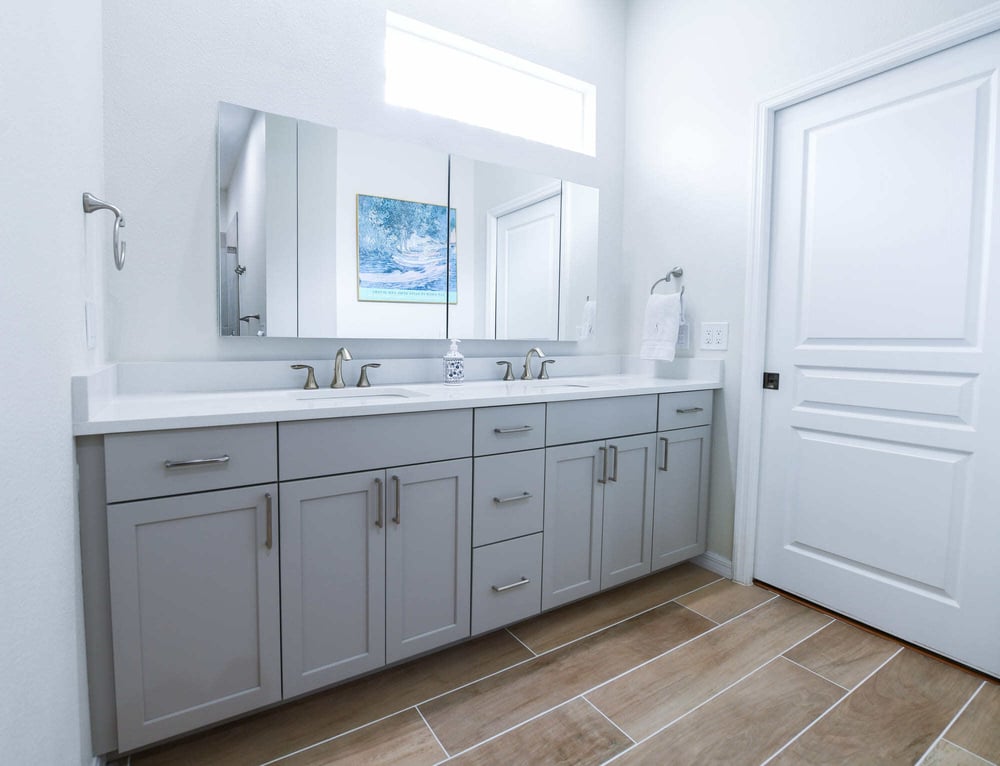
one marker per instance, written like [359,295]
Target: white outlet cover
[715,336]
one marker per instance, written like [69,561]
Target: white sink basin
[356,395]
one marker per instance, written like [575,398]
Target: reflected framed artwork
[403,251]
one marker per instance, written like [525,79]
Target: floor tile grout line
[810,670]
[721,691]
[511,634]
[951,723]
[830,709]
[631,617]
[336,736]
[692,609]
[675,648]
[430,728]
[515,727]
[966,750]
[606,718]
[728,619]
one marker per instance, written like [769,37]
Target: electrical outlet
[715,336]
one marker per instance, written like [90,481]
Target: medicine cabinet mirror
[325,232]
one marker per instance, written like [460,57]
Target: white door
[527,272]
[880,472]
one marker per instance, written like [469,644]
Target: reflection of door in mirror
[524,261]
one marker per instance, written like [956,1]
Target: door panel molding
[961,30]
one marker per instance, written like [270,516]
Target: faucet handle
[544,374]
[509,373]
[363,381]
[310,376]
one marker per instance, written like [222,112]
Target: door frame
[955,32]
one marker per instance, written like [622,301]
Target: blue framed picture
[403,251]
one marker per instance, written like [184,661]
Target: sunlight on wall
[440,73]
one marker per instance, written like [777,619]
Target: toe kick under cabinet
[228,568]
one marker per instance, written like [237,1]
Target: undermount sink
[356,395]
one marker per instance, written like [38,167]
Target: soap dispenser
[454,365]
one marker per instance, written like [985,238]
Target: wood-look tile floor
[678,668]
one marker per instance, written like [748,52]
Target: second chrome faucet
[526,375]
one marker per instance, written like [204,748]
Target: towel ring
[676,271]
[92,204]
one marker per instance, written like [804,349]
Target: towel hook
[92,204]
[676,271]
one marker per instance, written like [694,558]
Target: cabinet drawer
[590,419]
[159,463]
[344,445]
[685,409]
[508,496]
[505,429]
[506,582]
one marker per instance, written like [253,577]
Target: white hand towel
[588,322]
[659,327]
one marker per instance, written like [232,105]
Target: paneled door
[880,469]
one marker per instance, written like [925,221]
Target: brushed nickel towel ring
[676,271]
[92,204]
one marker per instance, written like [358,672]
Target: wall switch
[715,336]
[684,337]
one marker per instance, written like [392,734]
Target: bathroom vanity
[241,549]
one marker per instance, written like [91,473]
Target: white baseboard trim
[98,761]
[713,562]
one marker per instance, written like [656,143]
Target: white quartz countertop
[150,412]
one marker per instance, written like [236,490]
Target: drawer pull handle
[378,503]
[515,430]
[513,498]
[666,447]
[604,459]
[614,465]
[395,481]
[269,540]
[518,584]
[196,461]
[689,410]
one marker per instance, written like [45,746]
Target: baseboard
[713,562]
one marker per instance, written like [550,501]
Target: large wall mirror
[328,233]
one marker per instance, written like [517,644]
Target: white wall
[50,153]
[696,69]
[168,63]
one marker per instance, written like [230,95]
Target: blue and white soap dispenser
[454,365]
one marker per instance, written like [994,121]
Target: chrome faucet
[343,355]
[526,375]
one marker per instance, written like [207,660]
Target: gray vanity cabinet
[628,510]
[680,515]
[574,520]
[194,602]
[332,579]
[428,556]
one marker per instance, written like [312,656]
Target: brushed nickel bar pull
[614,466]
[666,446]
[378,501]
[395,519]
[196,461]
[518,584]
[689,410]
[516,430]
[269,540]
[604,455]
[513,498]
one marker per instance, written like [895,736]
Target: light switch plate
[715,336]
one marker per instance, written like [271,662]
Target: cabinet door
[574,500]
[428,556]
[194,610]
[332,579]
[680,515]
[628,510]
